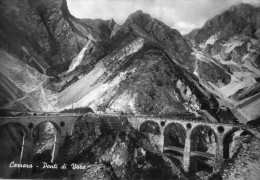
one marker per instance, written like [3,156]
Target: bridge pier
[161,143]
[55,147]
[58,142]
[219,155]
[26,155]
[186,154]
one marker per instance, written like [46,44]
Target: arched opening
[203,149]
[44,140]
[11,140]
[174,135]
[174,141]
[150,127]
[232,141]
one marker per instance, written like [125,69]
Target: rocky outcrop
[45,35]
[244,163]
[63,45]
[151,29]
[146,62]
[56,37]
[230,41]
[17,81]
[172,42]
[240,18]
[9,91]
[139,78]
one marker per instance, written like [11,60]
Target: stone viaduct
[189,127]
[64,126]
[65,123]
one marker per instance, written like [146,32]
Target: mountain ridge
[104,47]
[231,40]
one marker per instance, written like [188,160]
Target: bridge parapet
[63,124]
[188,124]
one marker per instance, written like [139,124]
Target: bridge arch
[204,142]
[174,135]
[17,125]
[150,126]
[228,138]
[200,131]
[46,136]
[174,141]
[36,125]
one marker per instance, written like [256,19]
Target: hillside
[231,40]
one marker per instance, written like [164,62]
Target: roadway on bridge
[192,153]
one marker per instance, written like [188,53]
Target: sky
[183,15]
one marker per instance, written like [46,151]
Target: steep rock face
[138,78]
[62,40]
[170,39]
[240,18]
[9,91]
[60,37]
[45,36]
[23,33]
[119,82]
[172,42]
[246,163]
[17,81]
[230,40]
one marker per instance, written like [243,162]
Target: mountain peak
[139,17]
[230,22]
[138,12]
[241,6]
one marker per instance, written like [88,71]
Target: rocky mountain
[231,40]
[43,36]
[142,73]
[141,67]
